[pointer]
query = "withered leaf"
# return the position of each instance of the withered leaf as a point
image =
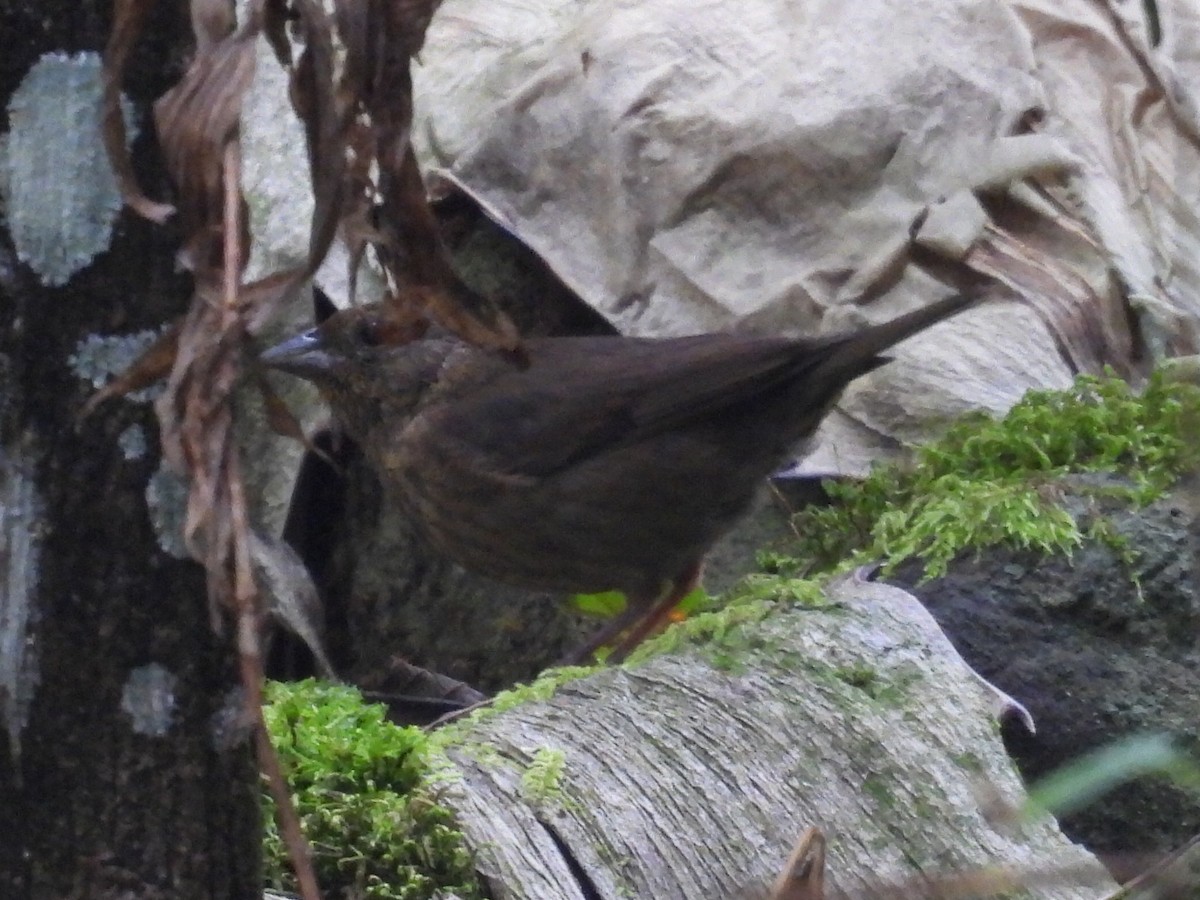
(195, 121)
(324, 121)
(149, 368)
(212, 21)
(276, 16)
(404, 677)
(803, 875)
(292, 596)
(128, 18)
(393, 214)
(280, 418)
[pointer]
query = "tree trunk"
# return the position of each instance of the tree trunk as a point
(123, 769)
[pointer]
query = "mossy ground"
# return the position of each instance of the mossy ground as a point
(366, 789)
(1001, 481)
(366, 803)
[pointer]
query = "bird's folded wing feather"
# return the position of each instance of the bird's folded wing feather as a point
(584, 396)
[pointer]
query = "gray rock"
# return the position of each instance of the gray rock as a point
(1094, 661)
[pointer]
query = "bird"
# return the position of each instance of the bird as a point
(583, 464)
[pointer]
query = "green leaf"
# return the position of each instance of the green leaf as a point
(609, 604)
(1088, 778)
(605, 605)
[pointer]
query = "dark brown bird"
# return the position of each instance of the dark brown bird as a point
(606, 463)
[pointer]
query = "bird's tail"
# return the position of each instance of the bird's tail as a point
(858, 352)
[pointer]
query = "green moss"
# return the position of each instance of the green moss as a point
(856, 684)
(721, 632)
(485, 755)
(541, 782)
(457, 732)
(990, 482)
(878, 790)
(860, 676)
(968, 761)
(361, 788)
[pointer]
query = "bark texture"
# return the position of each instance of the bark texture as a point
(860, 719)
(123, 772)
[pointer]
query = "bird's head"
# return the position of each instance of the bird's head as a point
(347, 345)
(364, 360)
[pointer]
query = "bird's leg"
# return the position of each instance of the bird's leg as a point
(584, 653)
(655, 618)
(640, 617)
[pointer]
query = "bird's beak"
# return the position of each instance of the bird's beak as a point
(305, 355)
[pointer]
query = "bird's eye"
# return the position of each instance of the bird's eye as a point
(368, 332)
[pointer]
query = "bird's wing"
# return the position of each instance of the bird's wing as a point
(583, 396)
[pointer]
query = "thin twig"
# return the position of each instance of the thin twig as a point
(232, 251)
(245, 599)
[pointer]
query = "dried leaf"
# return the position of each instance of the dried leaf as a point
(195, 420)
(403, 677)
(325, 120)
(276, 16)
(393, 213)
(464, 312)
(416, 696)
(195, 121)
(358, 214)
(280, 418)
(292, 596)
(128, 18)
(259, 300)
(149, 368)
(803, 876)
(198, 122)
(1065, 301)
(212, 21)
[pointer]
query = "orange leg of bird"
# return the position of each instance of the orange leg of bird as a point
(585, 653)
(640, 619)
(658, 616)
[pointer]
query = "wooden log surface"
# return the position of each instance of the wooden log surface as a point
(692, 773)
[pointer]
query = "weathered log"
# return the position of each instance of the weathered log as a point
(691, 773)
